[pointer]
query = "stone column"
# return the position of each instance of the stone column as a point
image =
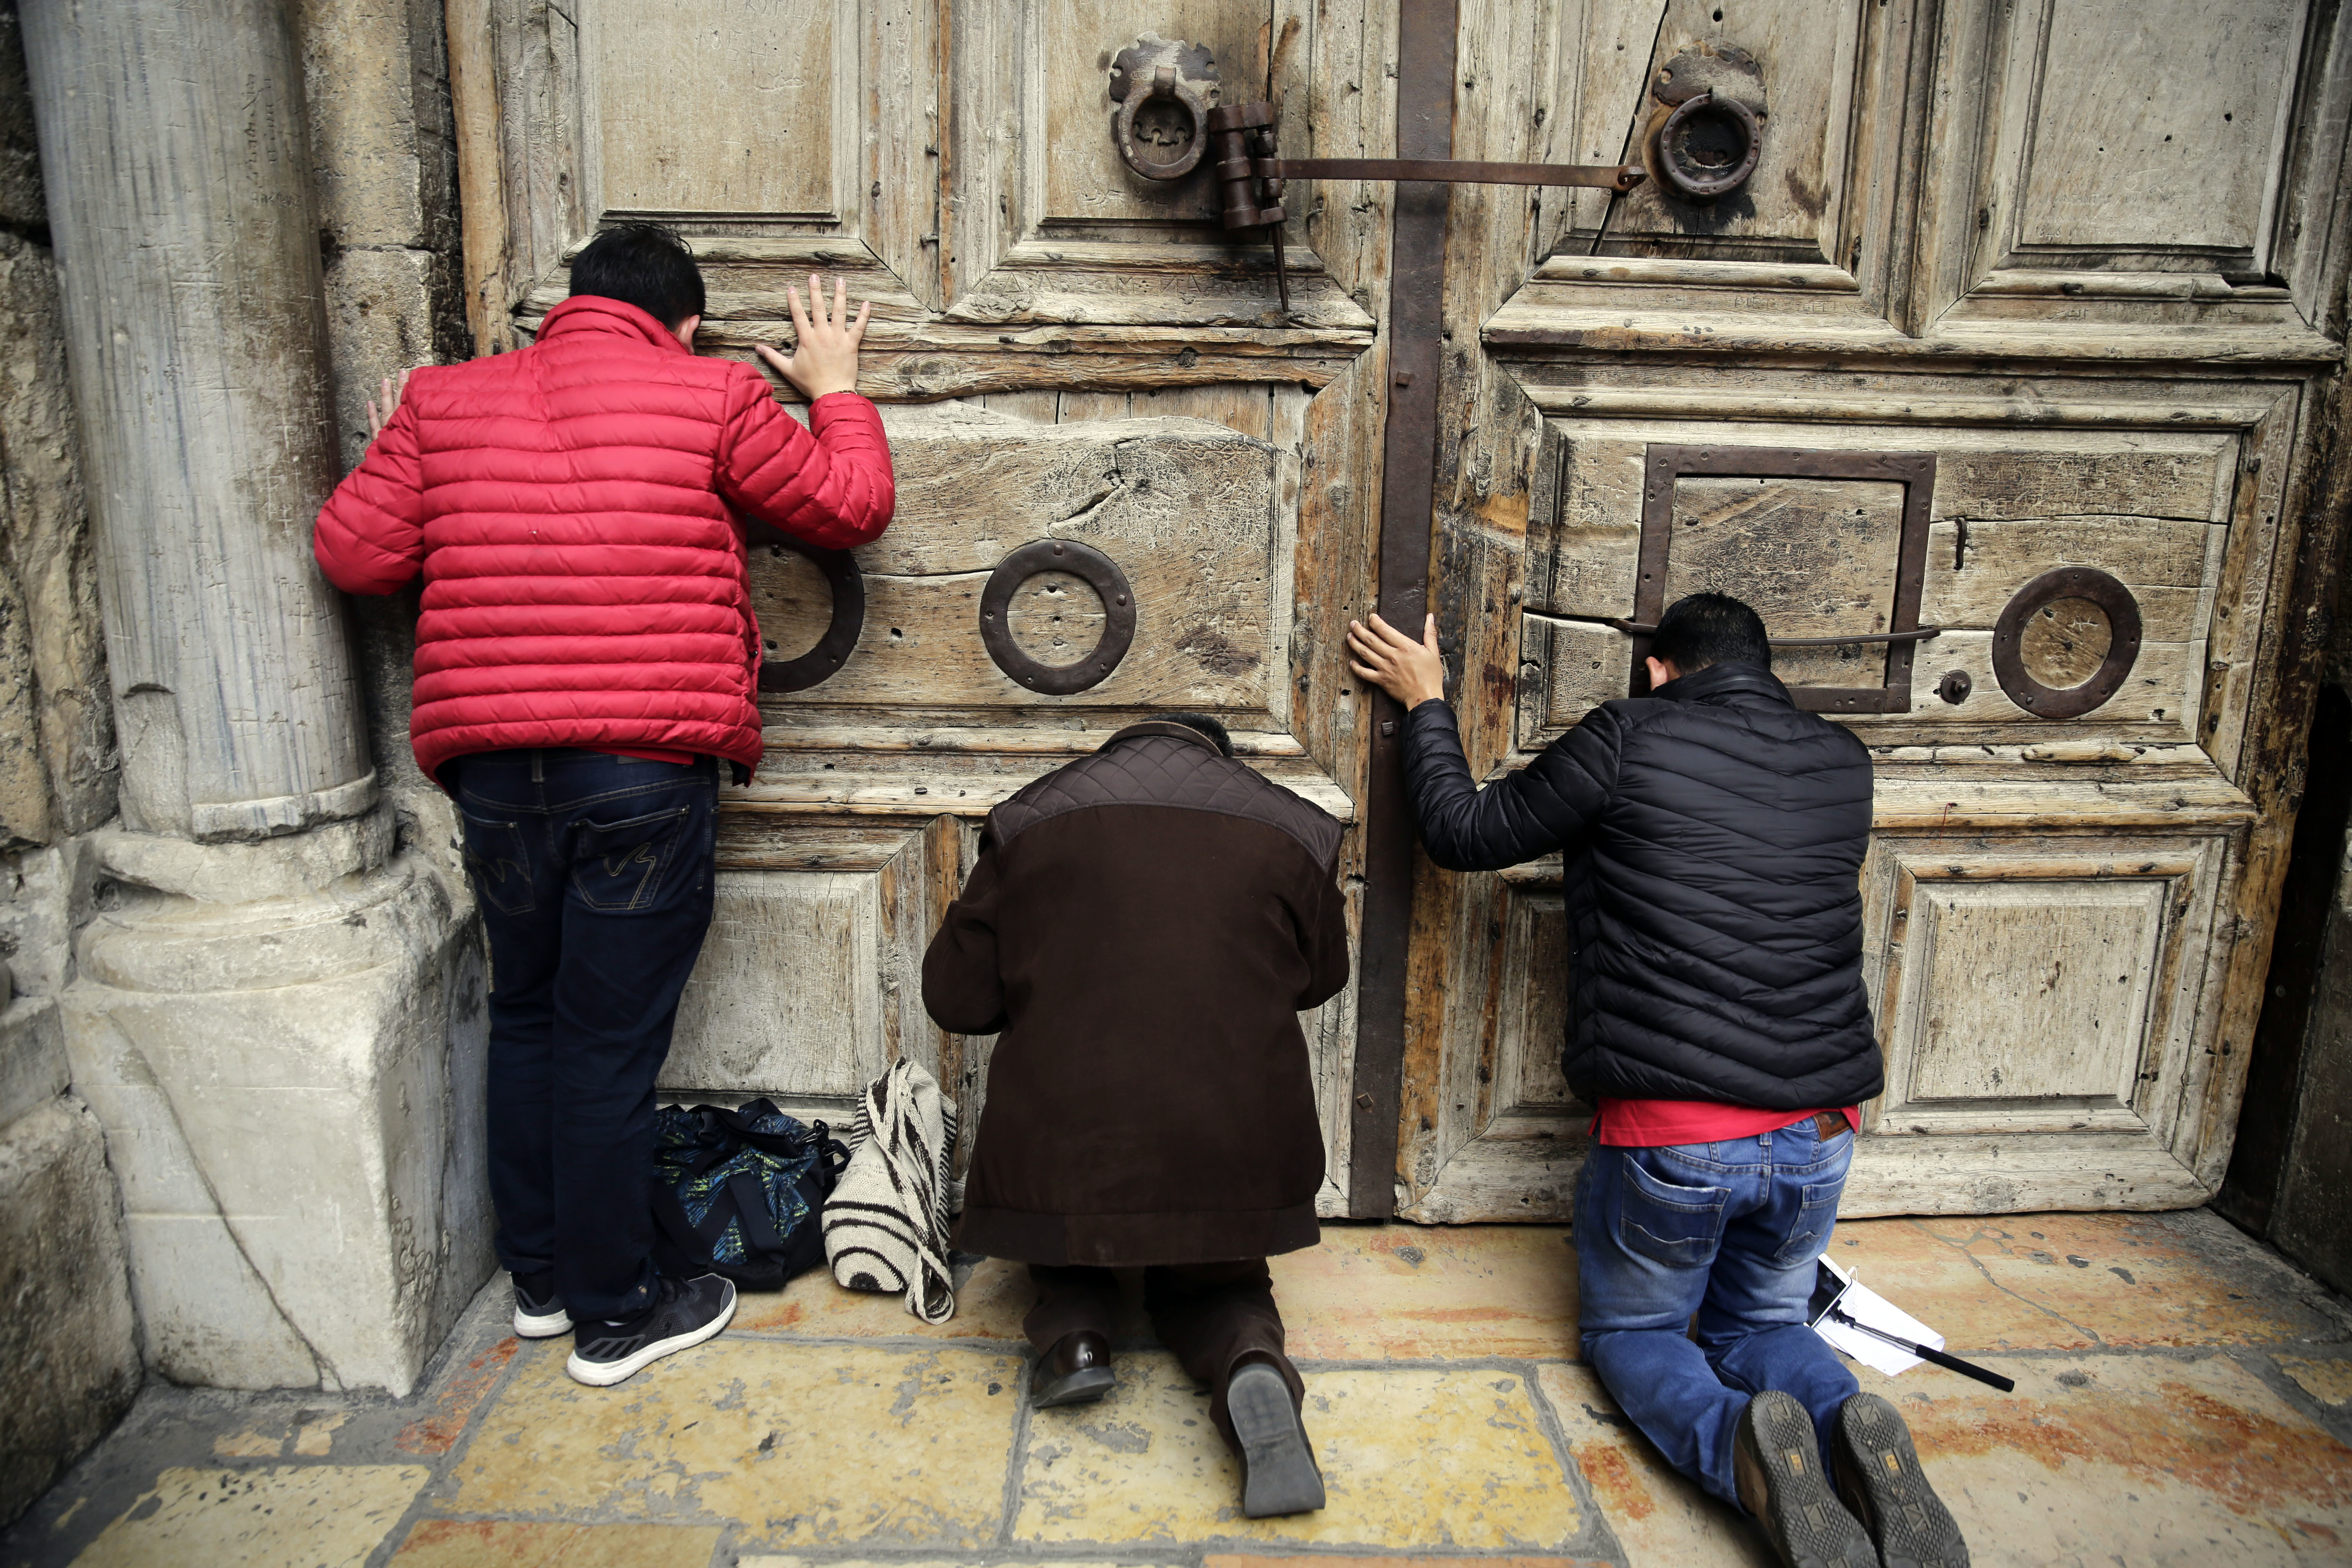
(187, 240)
(274, 1005)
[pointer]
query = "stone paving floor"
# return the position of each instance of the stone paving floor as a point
(2184, 1397)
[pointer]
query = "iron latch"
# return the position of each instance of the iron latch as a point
(1168, 117)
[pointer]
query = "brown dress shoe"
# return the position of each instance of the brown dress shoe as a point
(1076, 1371)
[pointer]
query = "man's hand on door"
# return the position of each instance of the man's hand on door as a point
(1411, 672)
(389, 388)
(824, 355)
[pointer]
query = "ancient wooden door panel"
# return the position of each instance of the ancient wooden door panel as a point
(2107, 357)
(1068, 354)
(809, 982)
(1187, 512)
(2153, 507)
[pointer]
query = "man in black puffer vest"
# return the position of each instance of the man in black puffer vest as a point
(1711, 839)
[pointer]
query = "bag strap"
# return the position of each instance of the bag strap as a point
(751, 1212)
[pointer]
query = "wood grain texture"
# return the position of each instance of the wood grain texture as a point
(2167, 475)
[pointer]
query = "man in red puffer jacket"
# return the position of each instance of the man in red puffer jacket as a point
(586, 656)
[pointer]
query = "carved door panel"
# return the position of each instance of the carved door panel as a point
(2003, 349)
(1128, 483)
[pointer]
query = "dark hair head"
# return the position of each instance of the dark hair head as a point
(644, 265)
(1206, 725)
(1701, 629)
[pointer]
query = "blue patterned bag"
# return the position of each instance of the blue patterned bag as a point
(738, 1192)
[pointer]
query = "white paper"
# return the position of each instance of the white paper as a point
(1867, 1306)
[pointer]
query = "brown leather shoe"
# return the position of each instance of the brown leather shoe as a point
(1076, 1371)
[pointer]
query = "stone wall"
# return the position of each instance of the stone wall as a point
(56, 722)
(68, 1343)
(272, 1047)
(384, 158)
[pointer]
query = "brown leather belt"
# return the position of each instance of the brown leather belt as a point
(1828, 1124)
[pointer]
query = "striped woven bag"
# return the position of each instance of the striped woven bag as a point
(886, 1225)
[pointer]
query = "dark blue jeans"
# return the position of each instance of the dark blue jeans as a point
(1730, 1231)
(594, 874)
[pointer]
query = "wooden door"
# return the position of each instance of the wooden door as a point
(1094, 403)
(2024, 328)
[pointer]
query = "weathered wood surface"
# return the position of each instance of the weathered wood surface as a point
(1902, 332)
(955, 165)
(1187, 511)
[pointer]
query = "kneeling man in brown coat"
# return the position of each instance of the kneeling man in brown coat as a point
(1144, 927)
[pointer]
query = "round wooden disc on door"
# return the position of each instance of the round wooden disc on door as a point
(2066, 641)
(1087, 565)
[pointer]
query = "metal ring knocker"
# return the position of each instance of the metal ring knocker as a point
(833, 649)
(1687, 144)
(1090, 567)
(2123, 642)
(1164, 88)
(1708, 129)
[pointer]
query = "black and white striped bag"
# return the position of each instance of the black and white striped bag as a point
(886, 1225)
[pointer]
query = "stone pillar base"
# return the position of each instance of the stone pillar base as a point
(284, 1042)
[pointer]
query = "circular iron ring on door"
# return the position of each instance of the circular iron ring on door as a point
(1090, 567)
(2123, 642)
(833, 649)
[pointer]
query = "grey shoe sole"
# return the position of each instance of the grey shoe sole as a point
(1881, 1475)
(1279, 1469)
(1804, 1521)
(1083, 1386)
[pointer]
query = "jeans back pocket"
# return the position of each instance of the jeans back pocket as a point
(1666, 1221)
(618, 866)
(498, 858)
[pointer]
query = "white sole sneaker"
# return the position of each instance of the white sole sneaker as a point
(605, 1373)
(542, 1325)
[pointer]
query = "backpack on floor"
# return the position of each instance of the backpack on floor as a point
(738, 1192)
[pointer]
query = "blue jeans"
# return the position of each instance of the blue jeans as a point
(1730, 1231)
(594, 874)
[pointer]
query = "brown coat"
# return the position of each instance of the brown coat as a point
(1144, 927)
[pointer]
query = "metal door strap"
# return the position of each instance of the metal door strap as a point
(1636, 629)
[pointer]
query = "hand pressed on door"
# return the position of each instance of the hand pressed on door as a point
(824, 344)
(1411, 672)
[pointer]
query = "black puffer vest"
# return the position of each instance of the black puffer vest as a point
(1711, 838)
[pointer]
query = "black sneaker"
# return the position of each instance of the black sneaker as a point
(1879, 1476)
(685, 1312)
(1278, 1473)
(539, 1311)
(1776, 1461)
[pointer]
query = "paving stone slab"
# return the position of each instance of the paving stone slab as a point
(292, 1516)
(793, 1445)
(1411, 1457)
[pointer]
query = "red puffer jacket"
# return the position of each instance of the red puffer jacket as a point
(574, 507)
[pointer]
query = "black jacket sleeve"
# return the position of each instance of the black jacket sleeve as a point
(1549, 805)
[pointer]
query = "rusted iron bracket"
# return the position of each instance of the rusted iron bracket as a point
(2114, 601)
(1915, 471)
(1253, 174)
(1090, 567)
(1636, 629)
(841, 631)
